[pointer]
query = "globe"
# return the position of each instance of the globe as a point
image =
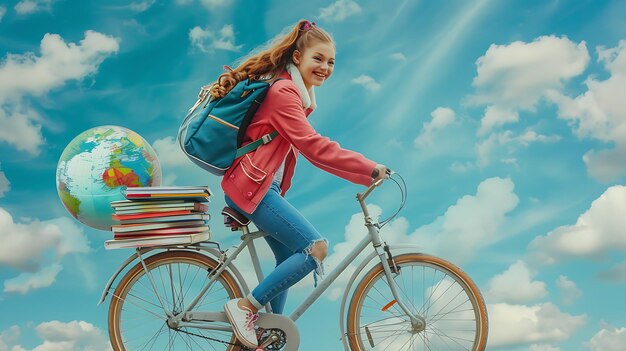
(96, 165)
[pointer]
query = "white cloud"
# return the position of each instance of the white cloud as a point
(543, 347)
(366, 81)
(170, 153)
(3, 11)
(606, 165)
(171, 157)
(141, 6)
(206, 40)
(59, 336)
(79, 334)
(530, 136)
(339, 10)
(9, 337)
(209, 4)
(608, 340)
(515, 285)
(462, 167)
(36, 249)
(616, 273)
(599, 114)
(21, 129)
(26, 7)
(511, 325)
(601, 229)
(441, 117)
(26, 282)
(398, 56)
(28, 74)
(568, 290)
(5, 185)
(214, 4)
(475, 221)
(25, 246)
(503, 144)
(496, 116)
(516, 76)
(58, 63)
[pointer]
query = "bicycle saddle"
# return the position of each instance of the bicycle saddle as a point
(233, 219)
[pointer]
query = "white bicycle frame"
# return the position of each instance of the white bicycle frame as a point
(199, 319)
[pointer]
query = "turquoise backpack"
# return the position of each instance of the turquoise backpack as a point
(213, 130)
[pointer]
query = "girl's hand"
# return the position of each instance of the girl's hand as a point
(380, 172)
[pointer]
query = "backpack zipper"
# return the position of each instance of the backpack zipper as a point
(223, 122)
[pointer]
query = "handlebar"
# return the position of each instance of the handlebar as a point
(362, 197)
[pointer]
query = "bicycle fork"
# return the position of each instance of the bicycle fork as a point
(418, 323)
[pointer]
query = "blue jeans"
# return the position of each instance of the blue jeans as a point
(290, 237)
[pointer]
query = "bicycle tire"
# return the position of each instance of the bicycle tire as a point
(449, 302)
(136, 319)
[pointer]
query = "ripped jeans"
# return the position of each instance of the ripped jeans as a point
(290, 237)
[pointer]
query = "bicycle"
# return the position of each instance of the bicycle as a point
(407, 300)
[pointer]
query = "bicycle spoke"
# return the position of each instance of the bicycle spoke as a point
(425, 339)
(165, 300)
(146, 310)
(394, 307)
(431, 303)
(449, 302)
(185, 339)
(398, 331)
(442, 336)
(193, 280)
(406, 342)
(153, 339)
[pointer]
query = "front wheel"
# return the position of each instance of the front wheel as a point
(138, 321)
(438, 292)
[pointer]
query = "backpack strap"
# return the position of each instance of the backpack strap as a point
(264, 139)
(255, 144)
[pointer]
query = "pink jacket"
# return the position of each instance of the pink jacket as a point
(248, 179)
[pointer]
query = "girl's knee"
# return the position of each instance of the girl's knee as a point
(319, 250)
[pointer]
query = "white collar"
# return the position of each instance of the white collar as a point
(308, 96)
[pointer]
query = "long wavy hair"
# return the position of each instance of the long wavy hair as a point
(271, 61)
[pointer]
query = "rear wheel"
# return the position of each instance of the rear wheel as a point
(443, 295)
(137, 320)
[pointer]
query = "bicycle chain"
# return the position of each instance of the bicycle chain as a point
(209, 338)
(241, 346)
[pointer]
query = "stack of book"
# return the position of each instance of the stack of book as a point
(152, 216)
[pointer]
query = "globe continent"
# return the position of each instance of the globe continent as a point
(96, 165)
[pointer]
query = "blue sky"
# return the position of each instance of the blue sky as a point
(506, 119)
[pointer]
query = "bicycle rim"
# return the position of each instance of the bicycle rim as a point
(443, 295)
(137, 321)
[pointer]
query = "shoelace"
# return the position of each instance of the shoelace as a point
(250, 320)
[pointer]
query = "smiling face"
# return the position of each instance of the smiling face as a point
(316, 63)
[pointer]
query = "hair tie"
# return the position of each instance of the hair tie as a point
(307, 25)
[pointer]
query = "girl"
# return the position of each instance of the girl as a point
(256, 182)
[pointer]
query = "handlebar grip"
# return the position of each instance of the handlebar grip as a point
(375, 172)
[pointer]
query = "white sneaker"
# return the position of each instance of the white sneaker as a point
(242, 320)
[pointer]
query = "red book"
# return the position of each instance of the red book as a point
(159, 232)
(149, 215)
(160, 197)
